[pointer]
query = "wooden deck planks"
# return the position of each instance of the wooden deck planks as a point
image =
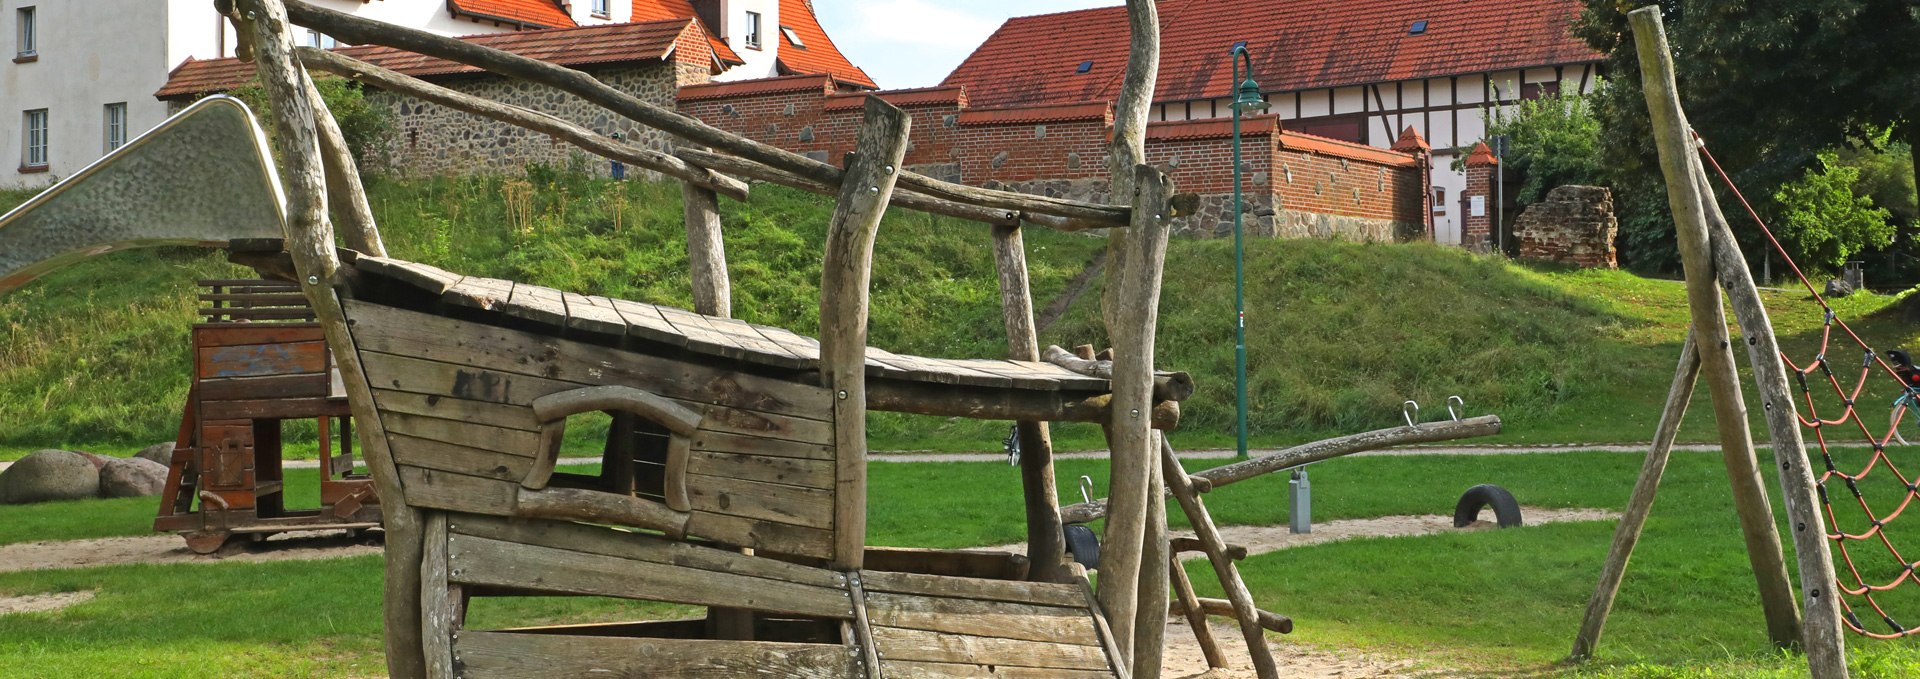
(507, 655)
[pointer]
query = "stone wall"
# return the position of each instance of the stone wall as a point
(1574, 225)
(429, 139)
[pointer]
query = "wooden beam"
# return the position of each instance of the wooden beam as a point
(847, 270)
(598, 144)
(1187, 603)
(1167, 386)
(1046, 541)
(1269, 620)
(720, 162)
(1673, 137)
(1640, 504)
(1308, 453)
(310, 244)
(357, 30)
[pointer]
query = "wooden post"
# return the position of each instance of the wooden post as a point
(1150, 626)
(706, 252)
(436, 614)
(310, 242)
(1677, 163)
(1244, 611)
(1128, 433)
(346, 196)
(1627, 533)
(1046, 543)
(1822, 633)
(847, 270)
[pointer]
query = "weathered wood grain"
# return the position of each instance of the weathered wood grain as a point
(910, 645)
(634, 546)
(810, 507)
(974, 617)
(1037, 593)
(436, 611)
(505, 655)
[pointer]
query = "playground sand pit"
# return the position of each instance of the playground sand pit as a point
(1183, 659)
(165, 549)
(37, 603)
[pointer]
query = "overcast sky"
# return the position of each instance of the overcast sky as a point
(915, 43)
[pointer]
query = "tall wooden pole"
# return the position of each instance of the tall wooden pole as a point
(1627, 533)
(1046, 543)
(1678, 164)
(310, 242)
(1130, 306)
(346, 196)
(847, 272)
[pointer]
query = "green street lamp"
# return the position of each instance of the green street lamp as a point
(1246, 98)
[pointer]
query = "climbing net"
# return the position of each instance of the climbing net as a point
(1869, 573)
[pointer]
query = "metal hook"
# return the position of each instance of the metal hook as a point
(1086, 489)
(1411, 411)
(1451, 402)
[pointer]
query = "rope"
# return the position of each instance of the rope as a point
(1820, 368)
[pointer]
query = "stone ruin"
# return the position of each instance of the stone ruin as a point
(1574, 225)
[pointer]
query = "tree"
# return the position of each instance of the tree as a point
(1769, 84)
(363, 124)
(1825, 220)
(1552, 141)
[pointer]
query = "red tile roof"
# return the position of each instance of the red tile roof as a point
(657, 10)
(534, 13)
(923, 96)
(1215, 128)
(1296, 45)
(1410, 141)
(1058, 113)
(1481, 156)
(587, 45)
(820, 84)
(816, 52)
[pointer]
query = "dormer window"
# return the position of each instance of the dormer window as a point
(752, 37)
(792, 37)
(601, 8)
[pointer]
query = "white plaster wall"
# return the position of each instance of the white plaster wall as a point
(428, 15)
(91, 54)
(1447, 219)
(761, 63)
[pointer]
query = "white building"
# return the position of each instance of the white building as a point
(83, 73)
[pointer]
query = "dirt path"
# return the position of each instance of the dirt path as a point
(36, 603)
(171, 549)
(1262, 539)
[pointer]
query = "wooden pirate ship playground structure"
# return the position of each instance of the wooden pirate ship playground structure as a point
(734, 472)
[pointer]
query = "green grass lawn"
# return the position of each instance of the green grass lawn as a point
(1502, 602)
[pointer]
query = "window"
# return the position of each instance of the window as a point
(1439, 200)
(36, 141)
(116, 126)
(1418, 28)
(753, 30)
(792, 37)
(29, 47)
(321, 40)
(601, 10)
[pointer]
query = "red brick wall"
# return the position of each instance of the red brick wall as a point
(1476, 233)
(1061, 150)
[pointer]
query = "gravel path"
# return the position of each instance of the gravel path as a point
(305, 545)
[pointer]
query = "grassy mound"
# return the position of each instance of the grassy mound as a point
(1339, 333)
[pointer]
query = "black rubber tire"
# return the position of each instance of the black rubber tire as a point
(1506, 510)
(1084, 545)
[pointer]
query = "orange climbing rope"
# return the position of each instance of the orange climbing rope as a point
(1858, 585)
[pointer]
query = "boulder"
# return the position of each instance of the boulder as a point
(99, 461)
(158, 452)
(1837, 288)
(49, 475)
(132, 477)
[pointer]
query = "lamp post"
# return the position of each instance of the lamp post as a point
(1246, 98)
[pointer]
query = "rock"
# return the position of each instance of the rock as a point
(132, 477)
(1837, 288)
(158, 452)
(49, 475)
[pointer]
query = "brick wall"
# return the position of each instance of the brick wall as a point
(1476, 231)
(1574, 225)
(1323, 187)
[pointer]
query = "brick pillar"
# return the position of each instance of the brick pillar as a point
(1411, 142)
(1476, 231)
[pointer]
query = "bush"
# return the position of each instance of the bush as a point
(1824, 221)
(1553, 141)
(363, 124)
